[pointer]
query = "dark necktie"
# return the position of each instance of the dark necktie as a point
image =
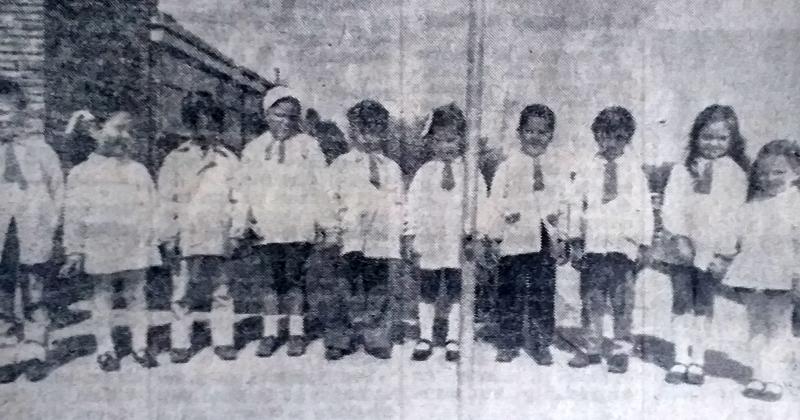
(448, 181)
(702, 183)
(281, 151)
(13, 171)
(610, 181)
(374, 173)
(538, 176)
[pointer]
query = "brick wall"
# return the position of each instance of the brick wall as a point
(97, 58)
(22, 52)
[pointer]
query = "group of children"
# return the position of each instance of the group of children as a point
(282, 201)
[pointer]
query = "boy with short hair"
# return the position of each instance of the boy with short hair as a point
(283, 175)
(368, 191)
(529, 194)
(616, 219)
(198, 186)
(32, 186)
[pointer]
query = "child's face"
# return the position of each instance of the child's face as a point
(115, 138)
(774, 173)
(367, 140)
(10, 118)
(612, 143)
(714, 140)
(446, 142)
(535, 136)
(205, 131)
(282, 119)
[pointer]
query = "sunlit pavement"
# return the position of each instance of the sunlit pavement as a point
(361, 387)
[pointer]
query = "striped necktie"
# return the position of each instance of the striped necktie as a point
(13, 171)
(610, 181)
(374, 172)
(448, 180)
(538, 176)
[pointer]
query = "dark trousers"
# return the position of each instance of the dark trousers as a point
(432, 280)
(30, 281)
(607, 278)
(358, 303)
(692, 291)
(282, 276)
(526, 288)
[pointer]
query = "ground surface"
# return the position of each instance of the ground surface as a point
(360, 387)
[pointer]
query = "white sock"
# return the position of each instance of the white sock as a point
(427, 312)
(271, 325)
(453, 322)
(683, 334)
(296, 325)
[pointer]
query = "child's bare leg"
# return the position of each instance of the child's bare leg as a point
(134, 283)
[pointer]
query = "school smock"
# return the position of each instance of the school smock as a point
(768, 232)
(287, 199)
(110, 215)
(199, 198)
(33, 197)
(619, 225)
(515, 190)
(434, 215)
(370, 217)
(706, 219)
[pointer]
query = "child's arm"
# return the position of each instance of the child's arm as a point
(238, 205)
(167, 214)
(498, 201)
(54, 176)
(325, 207)
(75, 213)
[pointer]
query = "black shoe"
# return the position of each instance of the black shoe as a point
(146, 359)
(226, 353)
(180, 356)
(267, 346)
(542, 356)
(296, 346)
(36, 370)
(452, 355)
(9, 373)
(422, 351)
(108, 361)
(333, 353)
(506, 355)
(582, 360)
(676, 375)
(618, 363)
(379, 352)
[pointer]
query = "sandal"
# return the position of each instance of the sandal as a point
(676, 374)
(754, 389)
(772, 392)
(453, 352)
(423, 350)
(695, 375)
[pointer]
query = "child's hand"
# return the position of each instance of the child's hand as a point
(512, 218)
(71, 267)
(238, 232)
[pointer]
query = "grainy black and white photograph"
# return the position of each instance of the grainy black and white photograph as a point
(399, 209)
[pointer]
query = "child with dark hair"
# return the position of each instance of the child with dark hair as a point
(283, 183)
(529, 194)
(368, 190)
(765, 272)
(110, 234)
(32, 186)
(697, 218)
(615, 220)
(436, 223)
(200, 205)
